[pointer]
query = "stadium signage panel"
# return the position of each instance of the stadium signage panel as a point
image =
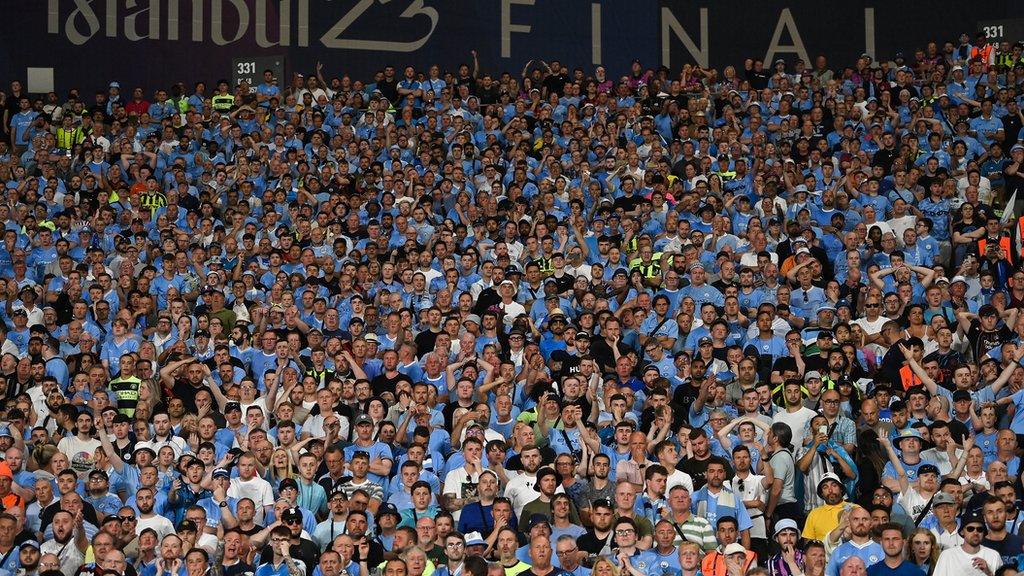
(196, 39)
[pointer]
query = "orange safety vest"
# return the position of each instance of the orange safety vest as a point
(12, 500)
(983, 54)
(909, 379)
(1004, 243)
(713, 563)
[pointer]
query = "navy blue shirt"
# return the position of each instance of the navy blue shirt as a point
(904, 569)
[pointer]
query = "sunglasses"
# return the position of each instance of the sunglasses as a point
(973, 529)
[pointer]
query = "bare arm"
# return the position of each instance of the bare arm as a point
(901, 474)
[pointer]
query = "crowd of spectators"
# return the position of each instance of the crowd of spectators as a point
(753, 321)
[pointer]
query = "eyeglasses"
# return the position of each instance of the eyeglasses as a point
(624, 532)
(456, 545)
(830, 401)
(564, 552)
(872, 305)
(126, 518)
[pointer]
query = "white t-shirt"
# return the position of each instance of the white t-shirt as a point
(913, 502)
(520, 491)
(871, 327)
(678, 478)
(797, 422)
(957, 562)
(160, 524)
(901, 225)
(512, 311)
(80, 453)
(462, 484)
(753, 489)
(258, 490)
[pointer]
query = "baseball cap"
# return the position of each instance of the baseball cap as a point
(960, 395)
(536, 519)
(30, 544)
(928, 469)
(812, 375)
(230, 406)
(221, 473)
(472, 318)
(292, 513)
(941, 498)
(363, 419)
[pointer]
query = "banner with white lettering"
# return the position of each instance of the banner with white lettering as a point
(151, 43)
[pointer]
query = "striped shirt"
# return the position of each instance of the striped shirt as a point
(697, 530)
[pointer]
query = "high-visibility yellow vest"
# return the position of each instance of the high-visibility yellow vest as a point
(222, 102)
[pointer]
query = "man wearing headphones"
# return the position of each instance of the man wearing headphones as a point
(969, 558)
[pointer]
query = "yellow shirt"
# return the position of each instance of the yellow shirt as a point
(823, 520)
(519, 568)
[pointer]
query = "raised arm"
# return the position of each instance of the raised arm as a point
(901, 473)
(927, 380)
(959, 463)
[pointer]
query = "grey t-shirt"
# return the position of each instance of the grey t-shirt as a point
(784, 468)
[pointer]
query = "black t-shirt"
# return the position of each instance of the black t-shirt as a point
(467, 81)
(381, 383)
(556, 83)
(697, 469)
(591, 543)
(627, 203)
(684, 396)
(602, 352)
(758, 80)
(425, 342)
(982, 341)
(184, 390)
(388, 89)
(238, 569)
(490, 95)
(885, 158)
(305, 551)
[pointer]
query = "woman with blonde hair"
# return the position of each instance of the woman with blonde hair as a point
(281, 466)
(604, 567)
(47, 462)
(923, 550)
